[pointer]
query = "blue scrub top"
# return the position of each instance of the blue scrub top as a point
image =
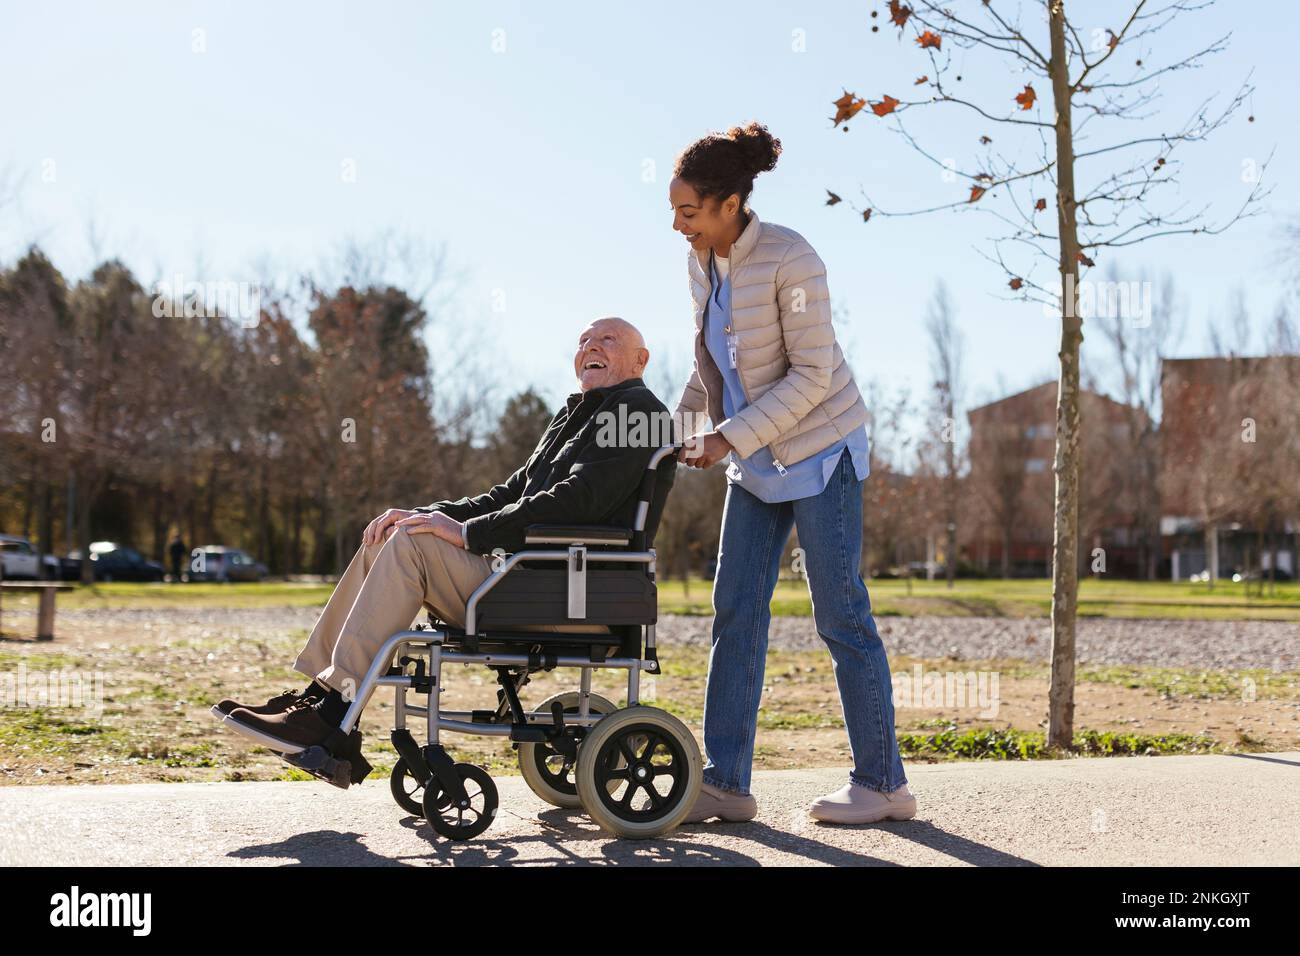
(758, 473)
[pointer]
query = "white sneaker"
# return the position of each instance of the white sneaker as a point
(853, 803)
(727, 806)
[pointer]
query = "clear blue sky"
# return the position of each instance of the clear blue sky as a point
(529, 162)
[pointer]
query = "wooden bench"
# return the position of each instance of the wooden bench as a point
(45, 614)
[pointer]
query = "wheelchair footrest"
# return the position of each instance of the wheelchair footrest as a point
(341, 770)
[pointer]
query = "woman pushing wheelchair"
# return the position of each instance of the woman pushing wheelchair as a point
(788, 417)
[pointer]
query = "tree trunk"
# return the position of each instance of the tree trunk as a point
(951, 568)
(951, 502)
(88, 492)
(45, 523)
(1065, 545)
(296, 557)
(1272, 559)
(686, 560)
(1212, 552)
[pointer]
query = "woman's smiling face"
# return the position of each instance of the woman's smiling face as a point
(705, 222)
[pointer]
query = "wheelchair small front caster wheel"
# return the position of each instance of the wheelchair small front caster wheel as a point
(548, 773)
(461, 822)
(407, 791)
(639, 772)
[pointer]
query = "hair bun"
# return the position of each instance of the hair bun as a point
(759, 147)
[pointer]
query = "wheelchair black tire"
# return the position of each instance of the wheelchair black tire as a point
(401, 782)
(483, 804)
(556, 789)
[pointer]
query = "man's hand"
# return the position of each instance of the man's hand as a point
(378, 530)
(704, 451)
(449, 529)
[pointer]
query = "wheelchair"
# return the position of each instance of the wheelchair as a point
(636, 770)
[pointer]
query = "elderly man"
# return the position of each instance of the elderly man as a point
(435, 556)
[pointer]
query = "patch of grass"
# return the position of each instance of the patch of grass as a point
(1009, 744)
(1031, 597)
(293, 774)
(37, 662)
(1098, 597)
(46, 732)
(1172, 683)
(1249, 742)
(199, 755)
(799, 720)
(198, 595)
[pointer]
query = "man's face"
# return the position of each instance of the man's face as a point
(609, 351)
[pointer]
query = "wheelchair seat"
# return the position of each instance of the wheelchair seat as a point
(597, 577)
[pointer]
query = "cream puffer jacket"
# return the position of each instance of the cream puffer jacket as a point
(800, 393)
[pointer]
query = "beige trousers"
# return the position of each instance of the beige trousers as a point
(381, 592)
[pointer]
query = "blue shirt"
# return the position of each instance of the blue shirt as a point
(758, 473)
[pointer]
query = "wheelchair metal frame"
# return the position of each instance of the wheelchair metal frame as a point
(428, 643)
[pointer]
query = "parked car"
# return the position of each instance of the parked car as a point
(18, 558)
(227, 564)
(113, 562)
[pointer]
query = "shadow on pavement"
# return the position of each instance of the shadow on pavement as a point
(319, 848)
(568, 838)
(950, 844)
(1287, 763)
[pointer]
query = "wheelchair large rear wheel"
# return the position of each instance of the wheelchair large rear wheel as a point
(639, 772)
(548, 773)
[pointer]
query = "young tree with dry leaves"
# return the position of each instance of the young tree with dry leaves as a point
(1125, 192)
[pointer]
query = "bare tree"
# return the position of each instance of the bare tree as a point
(1137, 350)
(1128, 194)
(1231, 335)
(946, 367)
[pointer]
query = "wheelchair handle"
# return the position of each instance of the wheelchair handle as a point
(646, 492)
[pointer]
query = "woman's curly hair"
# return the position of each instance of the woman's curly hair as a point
(720, 164)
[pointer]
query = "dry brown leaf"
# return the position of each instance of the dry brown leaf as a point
(885, 106)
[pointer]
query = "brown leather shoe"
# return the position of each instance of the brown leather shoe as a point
(276, 705)
(294, 729)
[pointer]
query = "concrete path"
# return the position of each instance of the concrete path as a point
(1212, 810)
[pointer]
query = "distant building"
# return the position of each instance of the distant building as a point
(1012, 485)
(1230, 465)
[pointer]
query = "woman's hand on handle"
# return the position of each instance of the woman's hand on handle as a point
(705, 450)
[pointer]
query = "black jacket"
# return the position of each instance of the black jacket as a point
(571, 478)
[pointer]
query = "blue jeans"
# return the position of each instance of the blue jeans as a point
(754, 534)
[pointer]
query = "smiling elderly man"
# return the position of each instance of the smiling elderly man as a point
(435, 556)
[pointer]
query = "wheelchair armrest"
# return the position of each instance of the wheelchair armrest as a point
(576, 534)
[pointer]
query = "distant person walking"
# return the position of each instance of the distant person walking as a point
(787, 414)
(176, 550)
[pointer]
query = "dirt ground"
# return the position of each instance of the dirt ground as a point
(160, 676)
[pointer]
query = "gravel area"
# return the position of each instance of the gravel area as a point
(1175, 643)
(1217, 644)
